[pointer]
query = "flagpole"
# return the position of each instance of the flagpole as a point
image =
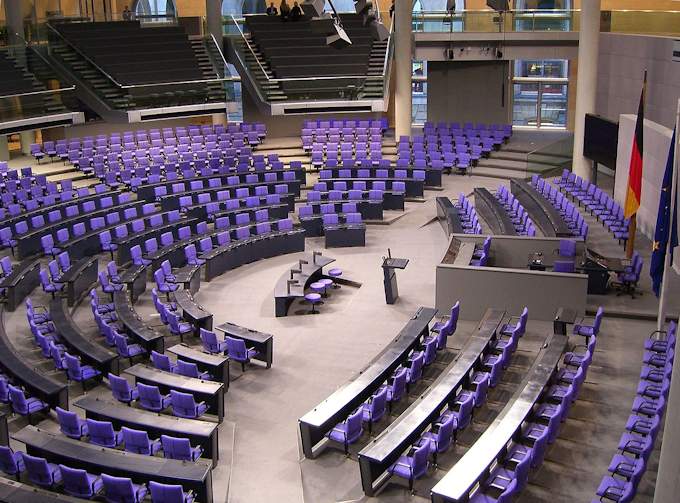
(661, 318)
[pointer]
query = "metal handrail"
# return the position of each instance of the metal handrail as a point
(250, 48)
(49, 25)
(251, 79)
(33, 93)
(27, 46)
(231, 77)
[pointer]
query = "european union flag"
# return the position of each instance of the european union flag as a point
(665, 227)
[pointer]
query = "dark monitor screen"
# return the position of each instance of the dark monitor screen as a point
(600, 140)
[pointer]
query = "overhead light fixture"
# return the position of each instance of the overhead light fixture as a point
(363, 6)
(339, 39)
(322, 25)
(313, 8)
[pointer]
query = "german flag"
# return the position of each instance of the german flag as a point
(635, 170)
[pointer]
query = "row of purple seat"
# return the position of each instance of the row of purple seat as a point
(60, 148)
(374, 409)
(326, 124)
(518, 215)
(597, 201)
(635, 446)
(468, 215)
(457, 416)
(573, 218)
(81, 484)
(510, 474)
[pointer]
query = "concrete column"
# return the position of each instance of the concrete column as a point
(4, 148)
(14, 15)
(27, 137)
(403, 50)
(586, 80)
(213, 16)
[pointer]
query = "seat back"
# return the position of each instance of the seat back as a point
(120, 388)
(75, 481)
(38, 470)
(236, 348)
(166, 493)
(68, 422)
(118, 488)
(176, 448)
(149, 396)
(7, 462)
(161, 361)
(136, 441)
(101, 432)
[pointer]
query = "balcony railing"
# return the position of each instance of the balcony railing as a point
(653, 22)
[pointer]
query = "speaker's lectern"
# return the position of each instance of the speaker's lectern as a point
(390, 276)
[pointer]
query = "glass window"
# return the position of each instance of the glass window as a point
(155, 8)
(419, 92)
(549, 68)
(540, 92)
(340, 6)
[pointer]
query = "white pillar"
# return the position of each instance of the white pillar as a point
(27, 137)
(4, 148)
(403, 50)
(213, 18)
(586, 80)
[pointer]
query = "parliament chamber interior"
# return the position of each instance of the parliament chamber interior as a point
(339, 250)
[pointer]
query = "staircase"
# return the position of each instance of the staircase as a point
(207, 65)
(91, 76)
(374, 89)
(272, 90)
(36, 72)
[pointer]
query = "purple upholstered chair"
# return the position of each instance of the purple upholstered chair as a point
(374, 409)
(123, 489)
(102, 433)
(150, 398)
(137, 441)
(126, 350)
(41, 472)
(184, 405)
(70, 424)
(348, 431)
(238, 351)
(78, 372)
(121, 389)
(165, 493)
(210, 342)
(11, 463)
(413, 465)
(189, 369)
(439, 437)
(581, 328)
(79, 483)
(180, 448)
(22, 405)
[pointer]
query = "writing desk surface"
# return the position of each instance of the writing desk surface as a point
(395, 263)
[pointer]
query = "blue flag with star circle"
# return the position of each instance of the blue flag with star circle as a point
(665, 226)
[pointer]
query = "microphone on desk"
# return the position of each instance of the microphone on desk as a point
(302, 261)
(314, 255)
